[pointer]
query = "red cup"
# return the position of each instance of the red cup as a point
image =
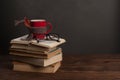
(44, 27)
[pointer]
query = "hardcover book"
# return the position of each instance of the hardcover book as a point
(29, 47)
(36, 54)
(38, 61)
(42, 43)
(19, 66)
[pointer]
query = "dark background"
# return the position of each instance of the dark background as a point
(89, 26)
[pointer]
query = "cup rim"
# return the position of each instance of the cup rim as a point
(37, 20)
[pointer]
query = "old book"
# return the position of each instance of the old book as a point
(18, 66)
(42, 43)
(29, 47)
(32, 51)
(36, 55)
(38, 61)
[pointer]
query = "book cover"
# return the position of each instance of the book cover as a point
(36, 55)
(31, 48)
(32, 51)
(19, 66)
(42, 43)
(38, 61)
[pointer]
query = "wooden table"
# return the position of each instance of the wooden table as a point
(74, 67)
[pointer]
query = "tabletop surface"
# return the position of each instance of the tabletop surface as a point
(74, 67)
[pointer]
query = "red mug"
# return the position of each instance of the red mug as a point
(41, 26)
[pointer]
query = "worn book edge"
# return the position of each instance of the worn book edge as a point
(18, 66)
(38, 61)
(43, 43)
(34, 55)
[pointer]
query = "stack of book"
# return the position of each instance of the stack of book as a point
(32, 56)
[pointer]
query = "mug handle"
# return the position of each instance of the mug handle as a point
(50, 27)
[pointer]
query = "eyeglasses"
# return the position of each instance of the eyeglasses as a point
(53, 36)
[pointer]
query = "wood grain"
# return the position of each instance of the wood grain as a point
(74, 67)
